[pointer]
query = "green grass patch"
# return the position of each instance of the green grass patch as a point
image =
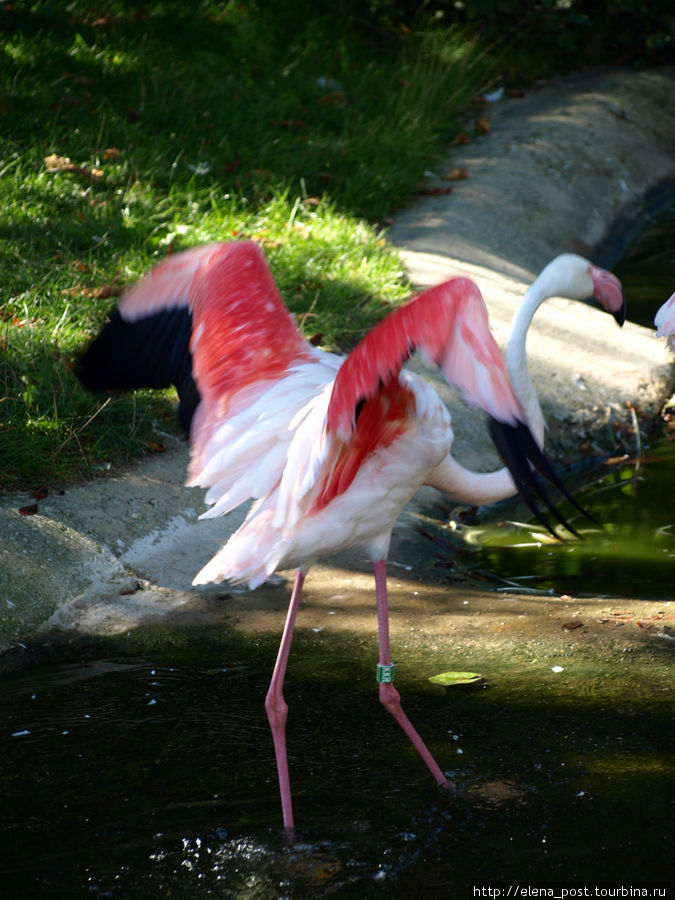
(132, 132)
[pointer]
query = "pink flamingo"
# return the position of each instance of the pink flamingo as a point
(330, 449)
(569, 276)
(665, 322)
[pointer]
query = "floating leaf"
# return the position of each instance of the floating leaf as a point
(447, 679)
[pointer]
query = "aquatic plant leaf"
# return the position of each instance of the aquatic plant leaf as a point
(447, 679)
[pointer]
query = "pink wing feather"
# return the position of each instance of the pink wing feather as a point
(449, 324)
(242, 333)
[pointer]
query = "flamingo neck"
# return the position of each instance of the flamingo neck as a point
(483, 488)
(466, 486)
(516, 354)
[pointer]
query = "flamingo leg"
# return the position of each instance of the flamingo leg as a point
(277, 708)
(389, 696)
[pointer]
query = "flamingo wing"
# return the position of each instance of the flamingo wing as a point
(449, 325)
(210, 321)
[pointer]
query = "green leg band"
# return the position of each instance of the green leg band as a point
(385, 674)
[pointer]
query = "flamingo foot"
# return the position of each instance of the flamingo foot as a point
(391, 700)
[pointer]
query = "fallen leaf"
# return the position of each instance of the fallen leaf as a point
(28, 510)
(434, 191)
(156, 446)
(111, 153)
(461, 138)
(447, 679)
(515, 92)
(456, 175)
(482, 126)
(570, 626)
(56, 163)
(40, 493)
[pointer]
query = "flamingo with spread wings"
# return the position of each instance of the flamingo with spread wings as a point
(330, 449)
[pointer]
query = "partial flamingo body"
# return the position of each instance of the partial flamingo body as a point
(569, 276)
(665, 322)
(329, 449)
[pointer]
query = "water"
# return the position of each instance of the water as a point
(137, 777)
(129, 774)
(630, 556)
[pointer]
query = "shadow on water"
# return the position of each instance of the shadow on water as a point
(155, 778)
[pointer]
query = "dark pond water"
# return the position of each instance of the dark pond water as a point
(137, 777)
(152, 776)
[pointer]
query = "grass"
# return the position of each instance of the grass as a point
(147, 129)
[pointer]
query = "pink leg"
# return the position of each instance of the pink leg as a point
(389, 696)
(276, 707)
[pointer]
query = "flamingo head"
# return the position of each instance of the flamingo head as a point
(665, 322)
(607, 292)
(575, 278)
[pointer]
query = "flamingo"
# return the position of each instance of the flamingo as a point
(570, 276)
(329, 448)
(665, 322)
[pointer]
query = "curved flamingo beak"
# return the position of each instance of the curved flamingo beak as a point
(607, 291)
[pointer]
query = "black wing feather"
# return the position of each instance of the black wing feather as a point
(152, 352)
(522, 455)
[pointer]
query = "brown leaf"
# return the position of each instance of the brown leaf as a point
(111, 153)
(434, 191)
(482, 126)
(157, 447)
(456, 175)
(461, 138)
(28, 510)
(40, 493)
(56, 163)
(570, 626)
